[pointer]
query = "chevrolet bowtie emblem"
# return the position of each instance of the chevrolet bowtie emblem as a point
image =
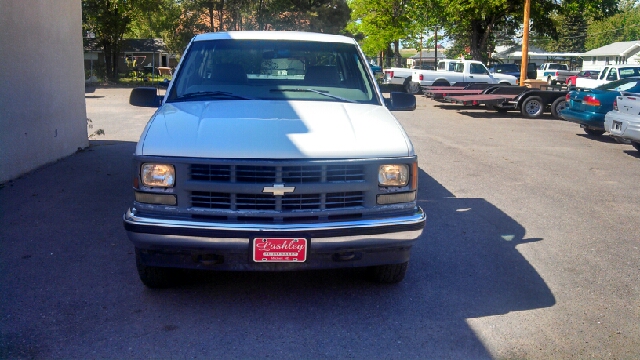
(278, 189)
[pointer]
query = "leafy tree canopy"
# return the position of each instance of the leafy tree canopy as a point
(624, 26)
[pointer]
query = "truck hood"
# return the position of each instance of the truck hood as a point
(273, 130)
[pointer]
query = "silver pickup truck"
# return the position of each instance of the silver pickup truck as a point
(273, 151)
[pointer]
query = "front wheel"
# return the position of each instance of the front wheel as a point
(593, 132)
(156, 277)
(558, 105)
(389, 274)
(532, 107)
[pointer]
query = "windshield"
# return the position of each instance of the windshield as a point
(629, 84)
(557, 67)
(273, 70)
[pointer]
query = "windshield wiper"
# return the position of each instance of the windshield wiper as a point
(324, 93)
(209, 94)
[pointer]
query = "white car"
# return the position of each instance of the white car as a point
(624, 120)
(273, 151)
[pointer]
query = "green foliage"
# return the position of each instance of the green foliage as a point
(109, 20)
(624, 26)
(380, 23)
(177, 21)
(571, 21)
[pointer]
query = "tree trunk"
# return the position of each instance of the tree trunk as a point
(387, 60)
(396, 44)
(211, 27)
(481, 30)
(220, 15)
(106, 50)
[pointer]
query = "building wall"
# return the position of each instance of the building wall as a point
(42, 108)
(600, 62)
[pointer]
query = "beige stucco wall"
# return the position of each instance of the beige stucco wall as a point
(42, 108)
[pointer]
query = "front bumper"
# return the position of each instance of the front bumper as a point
(224, 246)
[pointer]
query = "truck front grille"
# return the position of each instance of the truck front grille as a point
(256, 174)
(289, 203)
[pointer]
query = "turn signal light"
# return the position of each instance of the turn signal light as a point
(615, 104)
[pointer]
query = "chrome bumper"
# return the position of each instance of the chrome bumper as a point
(149, 232)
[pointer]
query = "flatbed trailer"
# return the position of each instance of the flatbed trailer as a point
(491, 96)
(470, 89)
(533, 103)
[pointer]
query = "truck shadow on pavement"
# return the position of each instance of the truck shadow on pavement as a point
(68, 272)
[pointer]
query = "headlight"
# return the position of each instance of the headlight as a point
(158, 175)
(393, 175)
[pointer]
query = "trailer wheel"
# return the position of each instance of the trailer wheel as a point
(532, 107)
(558, 105)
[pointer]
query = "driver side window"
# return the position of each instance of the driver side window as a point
(612, 76)
(477, 69)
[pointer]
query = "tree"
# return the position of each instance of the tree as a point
(624, 26)
(109, 20)
(571, 21)
(381, 23)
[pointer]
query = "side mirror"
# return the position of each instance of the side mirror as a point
(145, 97)
(401, 102)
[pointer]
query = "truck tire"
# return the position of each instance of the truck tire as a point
(532, 107)
(558, 105)
(156, 277)
(389, 274)
(410, 87)
(593, 132)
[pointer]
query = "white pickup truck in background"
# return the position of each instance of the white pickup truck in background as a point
(609, 74)
(402, 76)
(554, 73)
(463, 71)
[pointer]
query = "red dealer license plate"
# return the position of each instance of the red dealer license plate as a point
(279, 250)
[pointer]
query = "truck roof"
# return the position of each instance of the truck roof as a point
(275, 35)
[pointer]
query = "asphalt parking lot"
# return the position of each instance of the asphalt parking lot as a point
(530, 251)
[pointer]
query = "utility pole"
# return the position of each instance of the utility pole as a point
(420, 49)
(435, 56)
(525, 43)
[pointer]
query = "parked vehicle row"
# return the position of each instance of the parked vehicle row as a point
(449, 72)
(593, 74)
(554, 73)
(608, 74)
(464, 71)
(588, 107)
